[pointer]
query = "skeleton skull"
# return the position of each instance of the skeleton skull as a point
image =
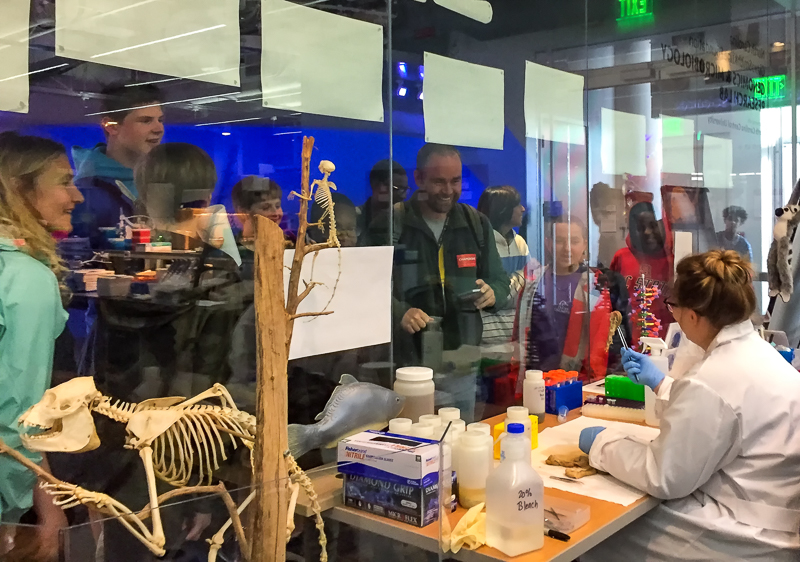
(65, 413)
(326, 167)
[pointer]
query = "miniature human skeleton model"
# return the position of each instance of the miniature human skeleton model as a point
(324, 198)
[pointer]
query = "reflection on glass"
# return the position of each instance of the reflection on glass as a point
(446, 266)
(730, 238)
(646, 262)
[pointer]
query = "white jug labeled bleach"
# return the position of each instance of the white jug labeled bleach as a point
(515, 499)
(658, 355)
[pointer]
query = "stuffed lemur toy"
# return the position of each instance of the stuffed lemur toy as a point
(779, 259)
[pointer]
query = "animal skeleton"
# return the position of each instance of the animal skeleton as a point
(172, 435)
(324, 198)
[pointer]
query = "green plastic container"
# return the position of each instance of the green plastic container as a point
(623, 387)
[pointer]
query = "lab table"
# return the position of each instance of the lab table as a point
(606, 519)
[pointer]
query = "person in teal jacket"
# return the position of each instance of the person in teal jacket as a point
(37, 196)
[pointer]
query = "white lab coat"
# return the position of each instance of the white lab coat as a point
(727, 461)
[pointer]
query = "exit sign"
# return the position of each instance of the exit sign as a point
(632, 10)
(770, 87)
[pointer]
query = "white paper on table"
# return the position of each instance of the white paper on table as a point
(677, 145)
(622, 143)
(717, 162)
(361, 305)
(553, 104)
(196, 39)
(463, 103)
(316, 62)
(600, 486)
(14, 76)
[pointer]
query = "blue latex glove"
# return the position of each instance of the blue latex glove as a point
(587, 438)
(641, 369)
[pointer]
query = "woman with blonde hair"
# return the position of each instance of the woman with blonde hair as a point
(727, 460)
(37, 196)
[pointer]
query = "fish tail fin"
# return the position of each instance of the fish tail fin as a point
(300, 439)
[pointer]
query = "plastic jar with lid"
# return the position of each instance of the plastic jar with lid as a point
(449, 414)
(519, 414)
(400, 426)
(473, 457)
(416, 384)
(421, 430)
(533, 394)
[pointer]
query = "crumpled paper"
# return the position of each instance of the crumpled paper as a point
(470, 531)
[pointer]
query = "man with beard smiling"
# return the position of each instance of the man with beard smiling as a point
(133, 124)
(447, 270)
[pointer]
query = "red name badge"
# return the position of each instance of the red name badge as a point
(466, 260)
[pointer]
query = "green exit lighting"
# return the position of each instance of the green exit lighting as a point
(635, 9)
(770, 87)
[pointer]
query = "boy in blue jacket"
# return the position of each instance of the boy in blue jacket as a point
(133, 124)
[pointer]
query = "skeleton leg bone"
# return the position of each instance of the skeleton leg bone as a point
(219, 538)
(295, 489)
(69, 495)
(158, 530)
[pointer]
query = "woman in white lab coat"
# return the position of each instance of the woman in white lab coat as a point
(727, 460)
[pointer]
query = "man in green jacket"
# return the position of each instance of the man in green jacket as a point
(446, 270)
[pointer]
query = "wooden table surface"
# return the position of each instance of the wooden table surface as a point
(606, 519)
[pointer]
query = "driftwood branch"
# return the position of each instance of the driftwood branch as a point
(230, 505)
(317, 247)
(301, 249)
(270, 505)
(307, 314)
(27, 463)
(306, 291)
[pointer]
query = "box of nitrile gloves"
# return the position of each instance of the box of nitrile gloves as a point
(391, 475)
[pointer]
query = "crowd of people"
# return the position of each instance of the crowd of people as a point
(464, 271)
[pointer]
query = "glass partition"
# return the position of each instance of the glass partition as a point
(502, 187)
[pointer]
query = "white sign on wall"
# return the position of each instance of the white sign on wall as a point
(196, 39)
(14, 76)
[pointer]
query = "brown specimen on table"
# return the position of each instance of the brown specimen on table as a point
(615, 321)
(275, 324)
(576, 464)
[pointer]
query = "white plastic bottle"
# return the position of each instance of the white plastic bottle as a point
(518, 414)
(533, 394)
(416, 384)
(658, 350)
(472, 455)
(515, 499)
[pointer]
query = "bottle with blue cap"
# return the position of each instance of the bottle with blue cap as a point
(515, 498)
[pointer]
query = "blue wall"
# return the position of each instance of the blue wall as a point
(275, 152)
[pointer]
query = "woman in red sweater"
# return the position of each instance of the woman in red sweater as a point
(647, 259)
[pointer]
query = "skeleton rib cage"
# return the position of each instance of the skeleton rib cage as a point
(199, 437)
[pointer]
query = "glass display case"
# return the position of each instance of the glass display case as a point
(494, 187)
